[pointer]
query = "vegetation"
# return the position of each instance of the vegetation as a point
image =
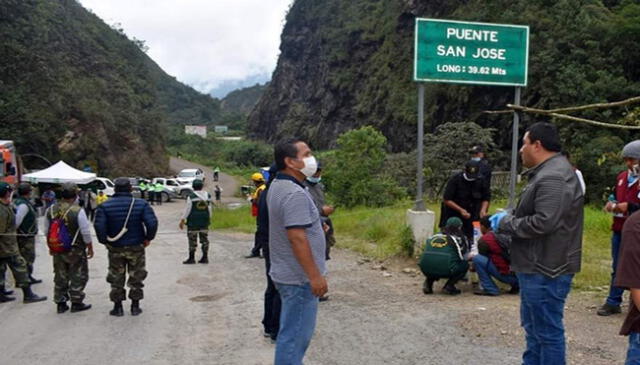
(347, 64)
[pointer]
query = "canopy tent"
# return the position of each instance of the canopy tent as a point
(59, 173)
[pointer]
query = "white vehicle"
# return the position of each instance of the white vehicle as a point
(106, 185)
(172, 188)
(188, 175)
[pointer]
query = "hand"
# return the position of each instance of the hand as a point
(465, 214)
(146, 243)
(609, 206)
(483, 213)
(327, 210)
(181, 225)
(89, 251)
(319, 286)
(325, 227)
(622, 208)
(495, 220)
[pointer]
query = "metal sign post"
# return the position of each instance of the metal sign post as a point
(420, 207)
(514, 151)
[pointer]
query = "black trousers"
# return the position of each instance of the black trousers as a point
(258, 244)
(272, 303)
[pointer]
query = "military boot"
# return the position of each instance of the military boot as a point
(135, 308)
(31, 297)
(62, 307)
(204, 259)
(5, 298)
(191, 259)
(117, 309)
(79, 307)
(5, 291)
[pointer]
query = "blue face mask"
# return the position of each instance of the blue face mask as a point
(476, 158)
(314, 180)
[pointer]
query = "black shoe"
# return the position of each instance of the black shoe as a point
(79, 307)
(191, 259)
(514, 290)
(608, 309)
(31, 297)
(204, 259)
(323, 298)
(33, 280)
(427, 287)
(5, 291)
(5, 298)
(135, 308)
(62, 307)
(252, 256)
(484, 292)
(117, 310)
(451, 290)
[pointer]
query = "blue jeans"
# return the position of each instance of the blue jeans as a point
(615, 293)
(541, 311)
(486, 269)
(633, 354)
(297, 323)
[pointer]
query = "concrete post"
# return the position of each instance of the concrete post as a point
(422, 224)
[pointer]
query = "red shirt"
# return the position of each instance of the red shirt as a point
(495, 253)
(624, 194)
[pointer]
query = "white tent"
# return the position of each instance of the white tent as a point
(59, 173)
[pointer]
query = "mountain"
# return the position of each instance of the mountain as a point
(345, 64)
(242, 101)
(73, 88)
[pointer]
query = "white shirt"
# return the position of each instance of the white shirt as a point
(83, 223)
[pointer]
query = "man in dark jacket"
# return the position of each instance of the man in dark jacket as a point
(546, 242)
(125, 225)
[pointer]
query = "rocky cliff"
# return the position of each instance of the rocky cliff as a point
(345, 64)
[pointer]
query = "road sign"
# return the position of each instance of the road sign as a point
(471, 53)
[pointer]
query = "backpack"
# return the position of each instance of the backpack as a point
(504, 241)
(59, 239)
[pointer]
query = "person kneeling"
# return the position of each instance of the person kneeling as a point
(443, 257)
(493, 261)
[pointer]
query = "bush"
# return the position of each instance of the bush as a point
(355, 174)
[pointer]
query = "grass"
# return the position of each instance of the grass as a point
(380, 233)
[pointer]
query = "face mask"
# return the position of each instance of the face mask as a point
(476, 158)
(310, 166)
(314, 180)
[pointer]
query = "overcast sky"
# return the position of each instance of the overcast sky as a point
(208, 44)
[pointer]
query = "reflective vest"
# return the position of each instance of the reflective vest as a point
(143, 186)
(158, 188)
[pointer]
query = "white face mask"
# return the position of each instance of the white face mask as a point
(310, 166)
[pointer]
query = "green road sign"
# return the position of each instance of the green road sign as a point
(471, 53)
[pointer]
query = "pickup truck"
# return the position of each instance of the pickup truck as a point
(172, 189)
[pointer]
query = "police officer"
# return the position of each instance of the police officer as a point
(158, 189)
(125, 225)
(143, 189)
(9, 252)
(27, 226)
(197, 217)
(71, 269)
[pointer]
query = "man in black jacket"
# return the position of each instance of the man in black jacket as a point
(546, 245)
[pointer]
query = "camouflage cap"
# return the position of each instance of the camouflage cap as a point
(197, 184)
(69, 190)
(4, 188)
(453, 222)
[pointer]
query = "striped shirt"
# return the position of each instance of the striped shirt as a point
(291, 206)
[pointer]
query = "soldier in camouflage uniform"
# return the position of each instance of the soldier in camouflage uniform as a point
(27, 223)
(71, 269)
(9, 252)
(197, 217)
(125, 225)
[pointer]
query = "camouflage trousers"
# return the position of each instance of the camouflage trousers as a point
(18, 268)
(123, 260)
(27, 246)
(193, 234)
(70, 275)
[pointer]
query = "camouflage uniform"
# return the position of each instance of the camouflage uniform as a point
(70, 269)
(27, 233)
(9, 252)
(122, 260)
(198, 221)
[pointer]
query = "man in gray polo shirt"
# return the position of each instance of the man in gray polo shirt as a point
(297, 249)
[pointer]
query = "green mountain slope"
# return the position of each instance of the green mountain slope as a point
(346, 64)
(73, 88)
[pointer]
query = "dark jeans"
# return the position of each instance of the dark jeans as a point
(541, 313)
(257, 245)
(615, 293)
(272, 303)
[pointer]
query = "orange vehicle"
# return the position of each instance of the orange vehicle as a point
(10, 167)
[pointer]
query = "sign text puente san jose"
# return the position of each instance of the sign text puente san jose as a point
(470, 52)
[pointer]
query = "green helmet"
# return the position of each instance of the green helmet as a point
(197, 184)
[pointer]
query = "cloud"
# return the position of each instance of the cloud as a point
(203, 43)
